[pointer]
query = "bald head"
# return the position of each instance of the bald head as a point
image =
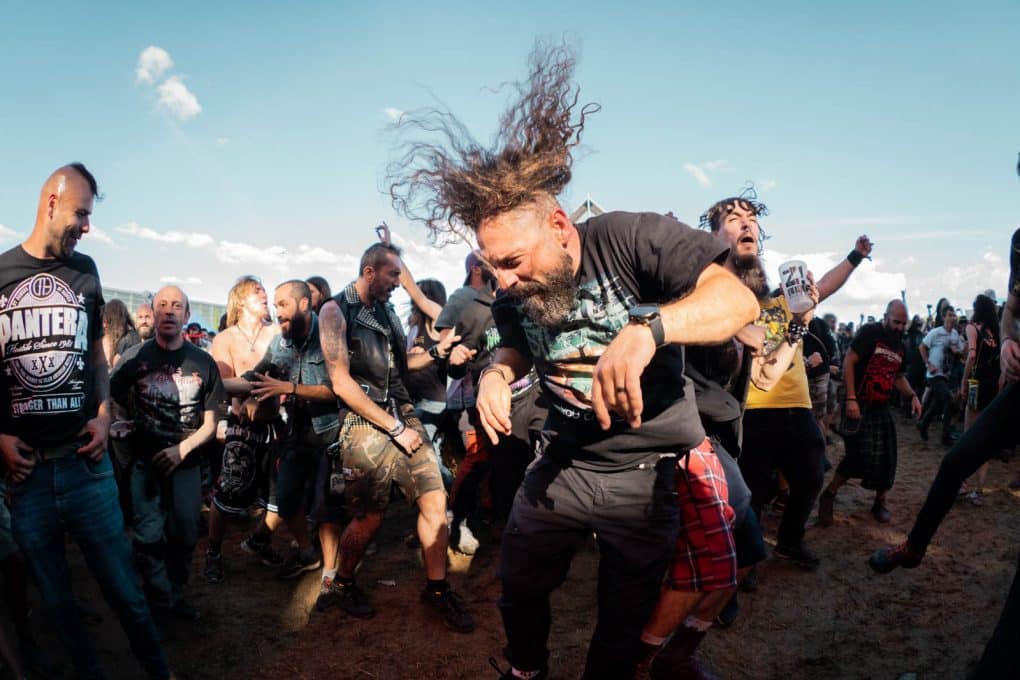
(63, 214)
(171, 311)
(143, 321)
(895, 318)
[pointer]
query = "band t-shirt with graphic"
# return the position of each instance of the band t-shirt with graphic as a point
(791, 390)
(626, 259)
(166, 393)
(50, 324)
(880, 354)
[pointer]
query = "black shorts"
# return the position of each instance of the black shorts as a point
(244, 475)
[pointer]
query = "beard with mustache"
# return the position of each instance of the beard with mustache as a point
(548, 302)
(752, 274)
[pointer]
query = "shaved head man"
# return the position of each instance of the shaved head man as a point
(54, 421)
(873, 367)
(143, 321)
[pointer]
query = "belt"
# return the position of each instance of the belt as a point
(59, 451)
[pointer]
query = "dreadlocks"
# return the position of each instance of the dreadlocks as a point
(453, 182)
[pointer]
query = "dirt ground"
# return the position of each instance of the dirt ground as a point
(841, 621)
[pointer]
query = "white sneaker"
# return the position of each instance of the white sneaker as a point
(463, 540)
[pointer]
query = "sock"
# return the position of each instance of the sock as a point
(438, 587)
(653, 640)
(697, 624)
(329, 574)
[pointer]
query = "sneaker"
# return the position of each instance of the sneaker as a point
(885, 560)
(452, 608)
(797, 554)
(329, 595)
(262, 550)
(508, 674)
(213, 571)
(351, 599)
(462, 539)
(825, 507)
(880, 512)
(298, 562)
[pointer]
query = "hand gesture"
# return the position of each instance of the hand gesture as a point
(98, 430)
(616, 385)
(383, 232)
(493, 404)
(265, 387)
(16, 455)
(409, 441)
(864, 245)
(814, 360)
(167, 460)
(445, 344)
(461, 355)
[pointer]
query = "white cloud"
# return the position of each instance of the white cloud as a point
(701, 172)
(392, 113)
(153, 62)
(698, 173)
(7, 234)
(222, 141)
(175, 97)
(97, 234)
(190, 280)
(190, 239)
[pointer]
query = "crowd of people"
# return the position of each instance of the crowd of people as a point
(628, 377)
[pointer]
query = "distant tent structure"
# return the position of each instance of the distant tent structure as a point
(588, 208)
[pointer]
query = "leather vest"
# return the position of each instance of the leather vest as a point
(374, 348)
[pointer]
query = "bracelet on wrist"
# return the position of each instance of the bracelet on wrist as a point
(854, 258)
(397, 430)
(492, 369)
(795, 332)
(436, 355)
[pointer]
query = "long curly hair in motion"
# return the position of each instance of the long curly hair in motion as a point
(450, 182)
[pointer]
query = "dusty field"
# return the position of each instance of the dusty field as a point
(841, 621)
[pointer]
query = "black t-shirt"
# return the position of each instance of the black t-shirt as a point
(626, 259)
(166, 392)
(1014, 264)
(879, 361)
(428, 382)
(469, 312)
(819, 339)
(50, 327)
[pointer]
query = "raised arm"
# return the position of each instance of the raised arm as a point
(838, 275)
(716, 310)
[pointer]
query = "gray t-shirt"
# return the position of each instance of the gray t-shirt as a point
(938, 341)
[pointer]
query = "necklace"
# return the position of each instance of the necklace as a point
(251, 340)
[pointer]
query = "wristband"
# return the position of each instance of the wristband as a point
(434, 353)
(851, 399)
(397, 430)
(795, 332)
(490, 369)
(854, 258)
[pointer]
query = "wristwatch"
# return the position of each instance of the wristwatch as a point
(651, 316)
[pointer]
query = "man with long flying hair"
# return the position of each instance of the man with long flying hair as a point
(601, 310)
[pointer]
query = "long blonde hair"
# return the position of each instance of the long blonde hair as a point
(235, 298)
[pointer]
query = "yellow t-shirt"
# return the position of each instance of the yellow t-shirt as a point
(792, 389)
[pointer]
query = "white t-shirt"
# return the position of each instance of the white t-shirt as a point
(938, 341)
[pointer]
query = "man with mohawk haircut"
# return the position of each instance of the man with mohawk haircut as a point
(602, 310)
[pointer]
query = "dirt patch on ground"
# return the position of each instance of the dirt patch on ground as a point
(841, 621)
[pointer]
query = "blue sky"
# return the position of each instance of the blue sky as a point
(262, 147)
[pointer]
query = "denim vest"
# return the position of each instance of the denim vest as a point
(303, 365)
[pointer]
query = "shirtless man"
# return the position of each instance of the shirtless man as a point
(237, 350)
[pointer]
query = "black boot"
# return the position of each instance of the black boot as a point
(676, 661)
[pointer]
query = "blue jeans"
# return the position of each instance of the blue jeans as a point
(73, 495)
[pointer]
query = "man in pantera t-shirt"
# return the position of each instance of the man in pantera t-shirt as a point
(54, 421)
(601, 310)
(169, 388)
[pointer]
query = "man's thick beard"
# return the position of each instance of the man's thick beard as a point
(752, 274)
(548, 303)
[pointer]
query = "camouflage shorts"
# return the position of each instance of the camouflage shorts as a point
(372, 463)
